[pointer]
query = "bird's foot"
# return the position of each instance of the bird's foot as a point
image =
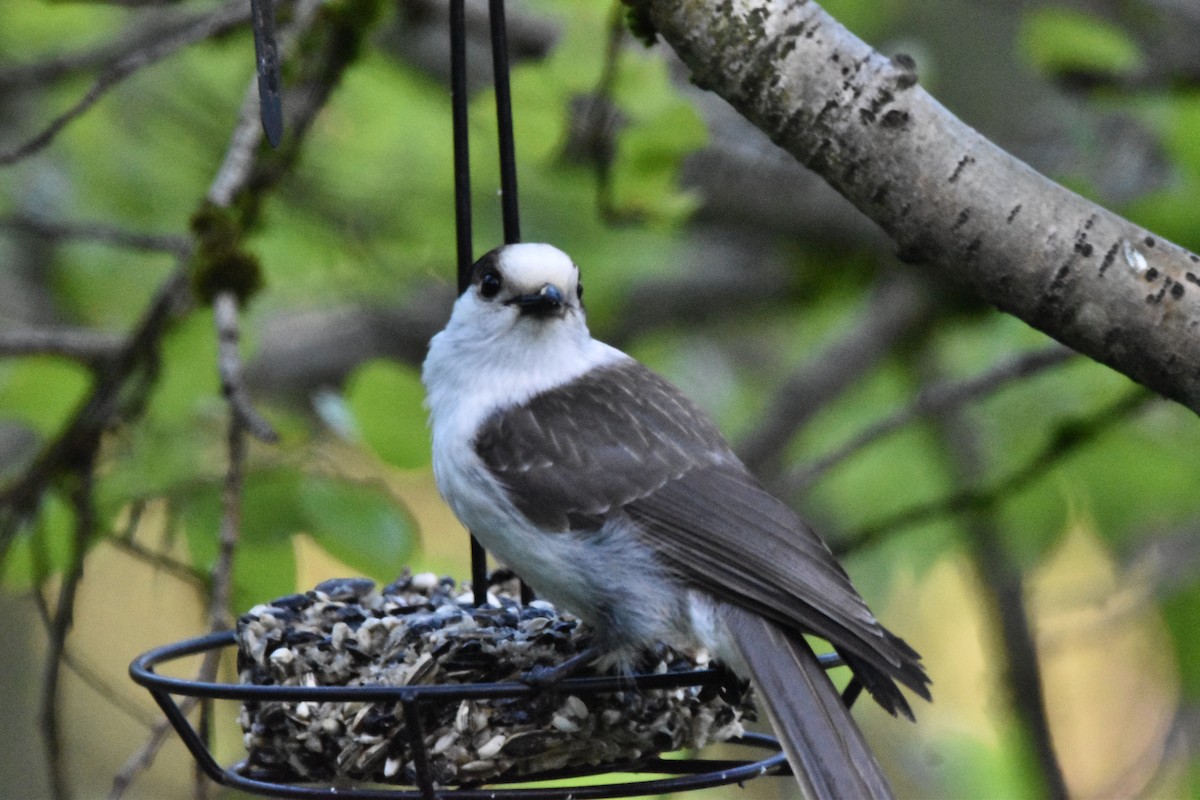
(543, 678)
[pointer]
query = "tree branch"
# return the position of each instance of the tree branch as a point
(220, 617)
(90, 347)
(142, 760)
(932, 401)
(1069, 438)
(947, 196)
(154, 25)
(99, 232)
(1000, 576)
(225, 18)
(83, 505)
(229, 365)
(895, 309)
(114, 397)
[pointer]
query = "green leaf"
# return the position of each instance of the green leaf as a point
(269, 513)
(665, 130)
(188, 386)
(387, 403)
(42, 392)
(1179, 611)
(271, 505)
(42, 549)
(1057, 40)
(262, 571)
(361, 525)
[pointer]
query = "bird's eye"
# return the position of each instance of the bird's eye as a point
(489, 285)
(579, 290)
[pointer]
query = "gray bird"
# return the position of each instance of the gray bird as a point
(616, 498)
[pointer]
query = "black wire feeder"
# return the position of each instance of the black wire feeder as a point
(686, 774)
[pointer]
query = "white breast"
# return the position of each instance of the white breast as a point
(470, 375)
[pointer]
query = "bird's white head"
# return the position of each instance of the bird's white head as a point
(517, 328)
(529, 286)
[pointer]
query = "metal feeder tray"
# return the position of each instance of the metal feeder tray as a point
(688, 774)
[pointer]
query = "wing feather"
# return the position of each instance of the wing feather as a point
(622, 440)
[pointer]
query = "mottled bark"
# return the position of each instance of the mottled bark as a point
(946, 195)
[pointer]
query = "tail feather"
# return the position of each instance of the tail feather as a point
(824, 746)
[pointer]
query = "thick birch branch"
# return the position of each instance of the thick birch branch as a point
(947, 196)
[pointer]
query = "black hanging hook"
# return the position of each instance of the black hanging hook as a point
(266, 54)
(504, 123)
(462, 177)
(462, 150)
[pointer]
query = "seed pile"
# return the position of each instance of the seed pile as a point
(422, 630)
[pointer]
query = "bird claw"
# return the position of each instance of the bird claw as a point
(543, 678)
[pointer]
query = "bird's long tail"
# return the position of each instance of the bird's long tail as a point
(824, 746)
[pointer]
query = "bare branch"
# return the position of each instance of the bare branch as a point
(143, 759)
(83, 504)
(224, 19)
(239, 165)
(154, 25)
(115, 397)
(171, 566)
(107, 689)
(931, 402)
(219, 616)
(80, 344)
(242, 418)
(229, 365)
(98, 232)
(1069, 438)
(896, 308)
(1001, 578)
(241, 170)
(946, 195)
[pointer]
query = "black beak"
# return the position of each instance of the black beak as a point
(546, 302)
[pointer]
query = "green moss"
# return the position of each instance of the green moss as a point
(637, 19)
(220, 263)
(349, 22)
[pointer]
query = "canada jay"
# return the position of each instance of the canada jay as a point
(616, 498)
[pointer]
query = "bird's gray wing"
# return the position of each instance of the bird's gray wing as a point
(573, 456)
(621, 440)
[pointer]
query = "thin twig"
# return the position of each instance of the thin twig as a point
(1070, 437)
(143, 759)
(161, 561)
(894, 310)
(83, 504)
(238, 164)
(94, 348)
(229, 366)
(930, 402)
(220, 618)
(97, 232)
(223, 19)
(155, 25)
(115, 397)
(595, 122)
(99, 683)
(1001, 578)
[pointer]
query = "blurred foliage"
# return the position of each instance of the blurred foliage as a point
(41, 392)
(366, 217)
(1059, 40)
(386, 403)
